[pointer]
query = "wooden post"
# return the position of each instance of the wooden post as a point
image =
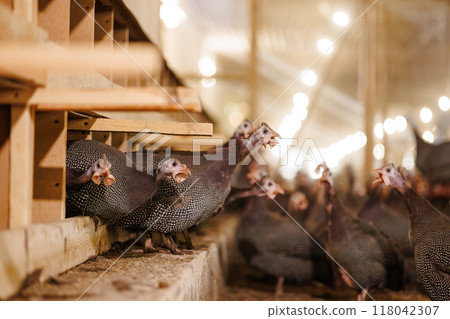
(21, 165)
(104, 137)
(119, 140)
(26, 9)
(104, 30)
(367, 82)
(121, 36)
(50, 167)
(252, 71)
(82, 24)
(54, 18)
(4, 165)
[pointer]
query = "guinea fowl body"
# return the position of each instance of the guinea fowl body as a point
(109, 203)
(362, 250)
(277, 246)
(430, 237)
(177, 207)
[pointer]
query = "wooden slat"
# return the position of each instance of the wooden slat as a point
(104, 32)
(79, 135)
(135, 126)
(49, 167)
(112, 99)
(121, 38)
(4, 166)
(119, 141)
(54, 17)
(49, 249)
(21, 174)
(81, 24)
(104, 137)
(27, 10)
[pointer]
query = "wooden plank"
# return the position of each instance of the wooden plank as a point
(27, 10)
(104, 137)
(21, 174)
(79, 135)
(119, 141)
(136, 126)
(49, 167)
(4, 166)
(54, 17)
(82, 21)
(49, 249)
(112, 99)
(104, 32)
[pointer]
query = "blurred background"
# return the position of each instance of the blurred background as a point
(364, 75)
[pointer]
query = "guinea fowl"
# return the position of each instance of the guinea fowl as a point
(367, 259)
(429, 235)
(177, 207)
(278, 246)
(393, 224)
(433, 160)
(110, 201)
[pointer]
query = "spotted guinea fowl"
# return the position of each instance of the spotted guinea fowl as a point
(278, 246)
(109, 201)
(429, 235)
(177, 207)
(368, 260)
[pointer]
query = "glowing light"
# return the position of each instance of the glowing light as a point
(208, 82)
(408, 160)
(444, 103)
(379, 130)
(299, 111)
(400, 123)
(235, 118)
(207, 66)
(309, 77)
(426, 115)
(361, 139)
(389, 126)
(325, 46)
(341, 18)
(171, 14)
(428, 136)
(301, 99)
(289, 126)
(378, 151)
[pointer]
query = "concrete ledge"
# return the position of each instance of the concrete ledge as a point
(39, 251)
(156, 276)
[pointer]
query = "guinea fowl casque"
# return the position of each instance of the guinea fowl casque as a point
(278, 246)
(177, 207)
(111, 201)
(429, 235)
(363, 251)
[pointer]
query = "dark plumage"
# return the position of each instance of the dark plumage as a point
(100, 168)
(362, 250)
(278, 246)
(429, 235)
(130, 189)
(176, 207)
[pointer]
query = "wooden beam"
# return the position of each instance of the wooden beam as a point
(104, 137)
(21, 173)
(253, 66)
(121, 36)
(107, 99)
(82, 24)
(135, 126)
(4, 165)
(119, 141)
(54, 17)
(27, 10)
(7, 3)
(79, 135)
(50, 167)
(104, 32)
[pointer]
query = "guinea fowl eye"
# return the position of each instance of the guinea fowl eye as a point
(98, 165)
(246, 125)
(174, 164)
(388, 170)
(265, 131)
(270, 184)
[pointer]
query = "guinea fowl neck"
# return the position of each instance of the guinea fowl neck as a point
(255, 210)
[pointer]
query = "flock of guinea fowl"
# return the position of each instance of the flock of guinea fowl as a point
(315, 233)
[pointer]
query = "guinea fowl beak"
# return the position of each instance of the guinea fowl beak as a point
(103, 171)
(272, 142)
(181, 174)
(380, 178)
(272, 193)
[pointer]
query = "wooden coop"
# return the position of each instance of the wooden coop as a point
(70, 70)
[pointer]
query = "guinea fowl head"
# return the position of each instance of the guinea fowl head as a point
(264, 135)
(172, 168)
(298, 202)
(245, 129)
(101, 169)
(391, 177)
(271, 188)
(256, 172)
(327, 179)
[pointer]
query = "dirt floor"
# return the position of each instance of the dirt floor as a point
(248, 284)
